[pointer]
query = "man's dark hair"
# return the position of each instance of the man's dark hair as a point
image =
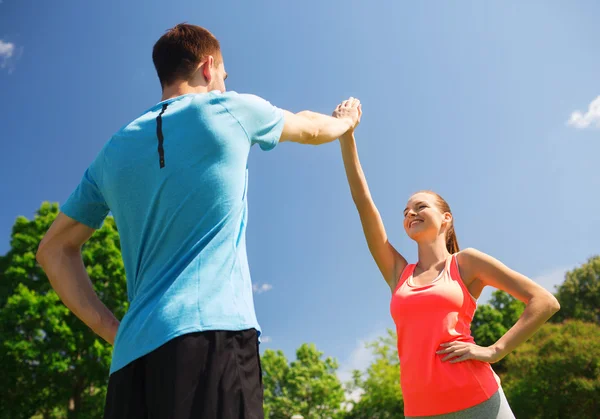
(178, 52)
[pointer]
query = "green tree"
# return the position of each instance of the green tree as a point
(556, 374)
(492, 320)
(308, 386)
(579, 295)
(53, 364)
(381, 396)
(488, 325)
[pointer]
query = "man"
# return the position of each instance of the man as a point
(175, 180)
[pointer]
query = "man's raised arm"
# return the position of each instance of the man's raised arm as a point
(313, 128)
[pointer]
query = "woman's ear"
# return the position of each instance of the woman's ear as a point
(448, 218)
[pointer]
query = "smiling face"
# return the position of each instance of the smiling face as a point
(424, 221)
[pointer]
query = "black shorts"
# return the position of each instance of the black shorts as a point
(208, 375)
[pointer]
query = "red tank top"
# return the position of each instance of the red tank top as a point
(427, 316)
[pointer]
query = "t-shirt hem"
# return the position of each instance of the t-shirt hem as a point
(276, 132)
(65, 209)
(116, 366)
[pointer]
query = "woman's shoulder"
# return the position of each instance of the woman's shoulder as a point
(401, 269)
(471, 261)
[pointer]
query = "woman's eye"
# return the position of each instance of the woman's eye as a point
(422, 206)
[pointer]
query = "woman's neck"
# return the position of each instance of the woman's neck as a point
(432, 253)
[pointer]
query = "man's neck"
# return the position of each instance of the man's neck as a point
(181, 89)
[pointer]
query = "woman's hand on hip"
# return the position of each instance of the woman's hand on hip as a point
(458, 351)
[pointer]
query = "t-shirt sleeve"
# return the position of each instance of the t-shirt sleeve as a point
(262, 121)
(87, 204)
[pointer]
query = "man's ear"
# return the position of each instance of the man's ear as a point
(207, 67)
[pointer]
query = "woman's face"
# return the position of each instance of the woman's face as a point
(423, 220)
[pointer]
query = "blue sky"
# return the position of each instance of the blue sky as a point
(470, 99)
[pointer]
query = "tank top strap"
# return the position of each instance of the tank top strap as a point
(406, 273)
(456, 277)
(445, 274)
(453, 268)
(448, 266)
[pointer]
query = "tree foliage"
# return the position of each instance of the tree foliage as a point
(381, 396)
(492, 320)
(53, 364)
(579, 294)
(307, 386)
(556, 374)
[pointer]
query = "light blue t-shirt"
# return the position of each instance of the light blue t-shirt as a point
(182, 226)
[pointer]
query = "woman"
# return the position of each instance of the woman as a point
(444, 374)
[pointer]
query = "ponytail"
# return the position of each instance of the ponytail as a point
(452, 241)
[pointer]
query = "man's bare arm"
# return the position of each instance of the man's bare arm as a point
(59, 254)
(314, 128)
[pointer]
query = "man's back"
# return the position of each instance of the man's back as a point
(181, 214)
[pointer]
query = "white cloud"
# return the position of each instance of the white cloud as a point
(266, 339)
(9, 53)
(582, 120)
(7, 49)
(260, 288)
(360, 358)
(551, 279)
